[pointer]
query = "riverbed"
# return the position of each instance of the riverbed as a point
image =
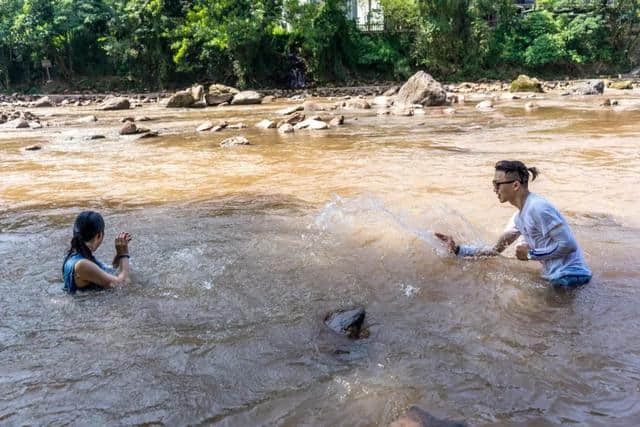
(239, 253)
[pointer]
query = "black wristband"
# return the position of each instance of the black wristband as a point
(456, 250)
(122, 256)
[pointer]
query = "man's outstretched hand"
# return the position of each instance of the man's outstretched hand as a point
(448, 242)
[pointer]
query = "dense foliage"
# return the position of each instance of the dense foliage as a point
(164, 43)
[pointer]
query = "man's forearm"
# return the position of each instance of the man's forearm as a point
(471, 250)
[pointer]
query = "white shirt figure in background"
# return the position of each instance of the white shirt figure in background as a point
(547, 235)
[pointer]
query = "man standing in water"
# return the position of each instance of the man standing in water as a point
(546, 232)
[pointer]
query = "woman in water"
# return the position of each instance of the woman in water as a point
(80, 269)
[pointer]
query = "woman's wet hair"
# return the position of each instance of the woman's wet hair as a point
(517, 170)
(88, 225)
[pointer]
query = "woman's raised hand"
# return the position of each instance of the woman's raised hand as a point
(122, 243)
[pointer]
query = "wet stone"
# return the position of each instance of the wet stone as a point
(349, 323)
(234, 141)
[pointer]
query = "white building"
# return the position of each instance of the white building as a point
(366, 13)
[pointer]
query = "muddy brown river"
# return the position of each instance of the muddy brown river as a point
(239, 253)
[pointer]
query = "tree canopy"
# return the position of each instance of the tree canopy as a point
(163, 43)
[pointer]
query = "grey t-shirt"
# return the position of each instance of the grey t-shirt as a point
(535, 222)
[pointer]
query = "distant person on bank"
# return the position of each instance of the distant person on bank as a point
(546, 233)
(80, 269)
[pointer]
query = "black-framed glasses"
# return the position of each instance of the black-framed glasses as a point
(497, 185)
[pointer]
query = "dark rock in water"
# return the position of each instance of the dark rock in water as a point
(94, 137)
(591, 87)
(34, 148)
(416, 417)
(348, 322)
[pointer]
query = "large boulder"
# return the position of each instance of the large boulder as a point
(422, 89)
(247, 97)
(525, 84)
(219, 94)
(117, 103)
(218, 89)
(622, 84)
(591, 87)
(197, 92)
(45, 101)
(19, 123)
(212, 99)
(181, 99)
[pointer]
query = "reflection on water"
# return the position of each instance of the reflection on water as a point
(239, 254)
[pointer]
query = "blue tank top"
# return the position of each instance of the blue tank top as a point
(68, 269)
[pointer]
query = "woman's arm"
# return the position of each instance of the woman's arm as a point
(88, 272)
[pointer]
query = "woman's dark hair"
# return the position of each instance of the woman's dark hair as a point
(518, 170)
(87, 225)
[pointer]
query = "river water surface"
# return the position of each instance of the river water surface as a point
(239, 253)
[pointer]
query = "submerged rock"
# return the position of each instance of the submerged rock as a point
(285, 128)
(129, 128)
(484, 106)
(239, 125)
(149, 134)
(266, 124)
(205, 126)
(290, 110)
(530, 106)
(348, 322)
(87, 119)
(416, 417)
(234, 141)
(337, 121)
(34, 148)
